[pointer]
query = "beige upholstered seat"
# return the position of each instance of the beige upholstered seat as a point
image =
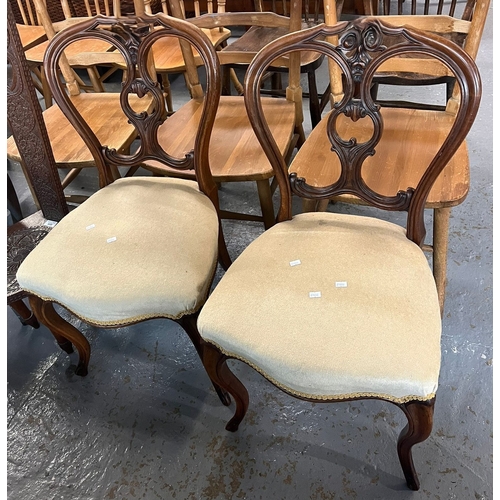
(378, 306)
(160, 264)
(333, 307)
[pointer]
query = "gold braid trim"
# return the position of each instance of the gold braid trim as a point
(134, 319)
(337, 397)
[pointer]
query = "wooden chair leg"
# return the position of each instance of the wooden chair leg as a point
(95, 79)
(236, 82)
(418, 429)
(65, 333)
(440, 251)
(217, 369)
(266, 202)
(25, 315)
(314, 104)
(165, 82)
(188, 323)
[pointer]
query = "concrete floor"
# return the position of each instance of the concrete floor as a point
(146, 423)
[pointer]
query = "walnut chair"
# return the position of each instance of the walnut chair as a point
(141, 247)
(336, 307)
(422, 127)
(71, 154)
(25, 120)
(235, 153)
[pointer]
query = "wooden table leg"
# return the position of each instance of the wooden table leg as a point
(440, 250)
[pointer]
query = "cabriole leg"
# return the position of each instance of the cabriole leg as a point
(219, 372)
(188, 323)
(419, 414)
(65, 333)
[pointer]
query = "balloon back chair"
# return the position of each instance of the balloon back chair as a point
(337, 307)
(140, 247)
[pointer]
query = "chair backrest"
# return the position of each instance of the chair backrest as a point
(89, 8)
(199, 8)
(465, 30)
(24, 11)
(24, 116)
(363, 46)
(133, 38)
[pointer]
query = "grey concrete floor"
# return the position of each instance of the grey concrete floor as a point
(146, 423)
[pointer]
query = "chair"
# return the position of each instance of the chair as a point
(30, 29)
(257, 37)
(25, 119)
(235, 154)
(452, 186)
(69, 150)
(336, 307)
(141, 247)
(441, 19)
(167, 54)
(89, 57)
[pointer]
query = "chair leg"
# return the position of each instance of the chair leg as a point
(314, 104)
(217, 369)
(188, 323)
(266, 202)
(440, 251)
(24, 314)
(65, 333)
(418, 429)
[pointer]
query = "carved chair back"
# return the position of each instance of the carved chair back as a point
(461, 22)
(133, 38)
(358, 49)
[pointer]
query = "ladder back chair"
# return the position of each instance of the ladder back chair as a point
(140, 248)
(99, 108)
(25, 120)
(337, 307)
(235, 154)
(422, 127)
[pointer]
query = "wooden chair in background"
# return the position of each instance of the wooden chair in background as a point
(235, 154)
(29, 26)
(167, 55)
(258, 36)
(421, 126)
(25, 120)
(140, 247)
(98, 108)
(439, 18)
(336, 307)
(91, 57)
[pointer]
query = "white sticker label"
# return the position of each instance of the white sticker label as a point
(314, 295)
(295, 263)
(50, 223)
(90, 227)
(110, 240)
(341, 284)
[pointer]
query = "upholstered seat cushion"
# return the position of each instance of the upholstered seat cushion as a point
(373, 331)
(140, 247)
